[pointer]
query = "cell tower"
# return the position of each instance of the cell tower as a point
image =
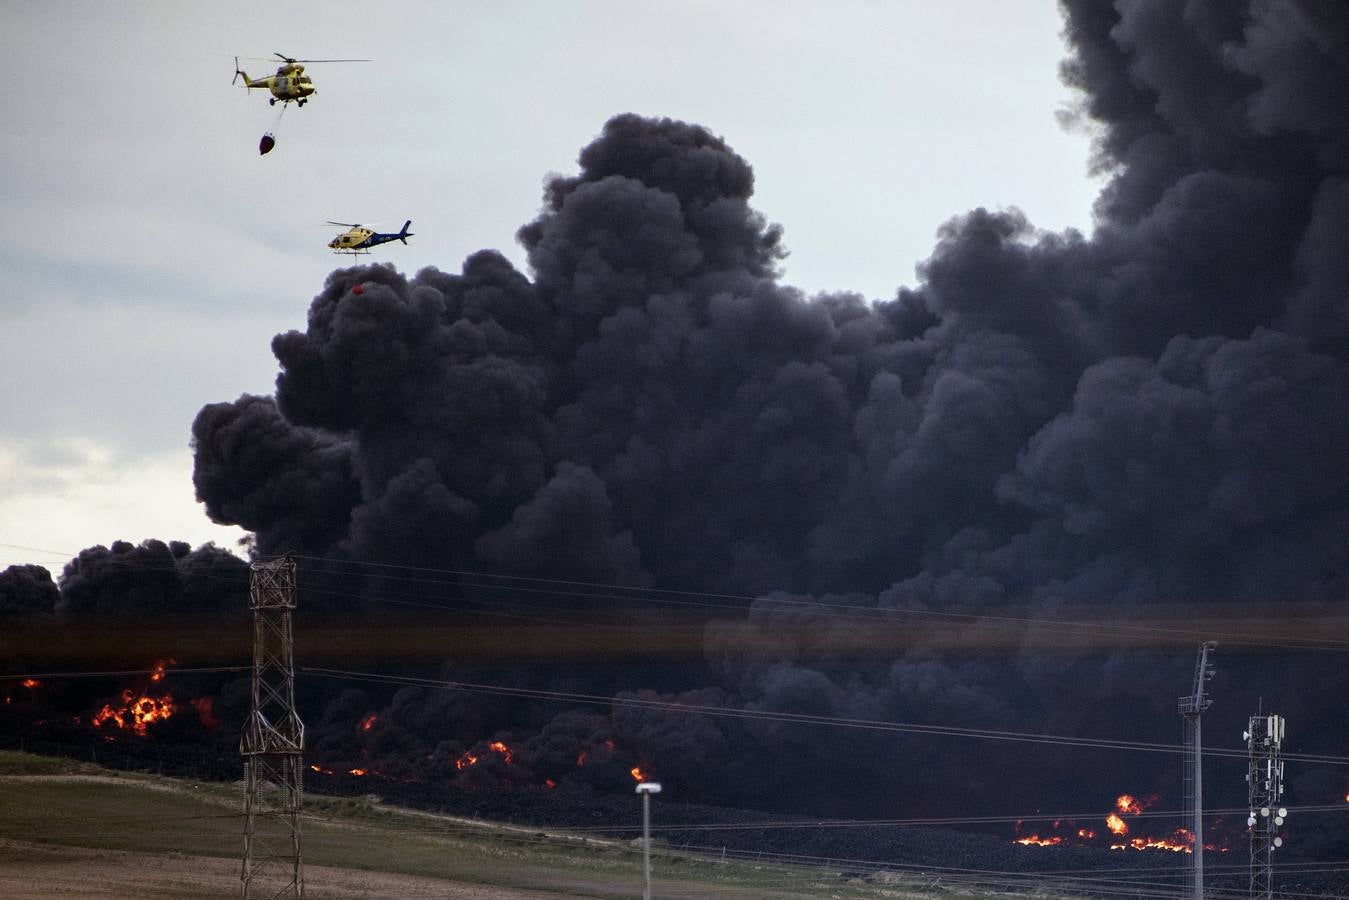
(272, 741)
(1264, 780)
(1192, 709)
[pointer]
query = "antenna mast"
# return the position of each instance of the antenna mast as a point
(1192, 709)
(272, 743)
(1264, 779)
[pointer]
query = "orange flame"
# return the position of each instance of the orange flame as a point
(358, 772)
(31, 683)
(368, 722)
(158, 673)
(637, 773)
(1181, 842)
(1158, 844)
(469, 758)
(1129, 805)
(136, 713)
(581, 761)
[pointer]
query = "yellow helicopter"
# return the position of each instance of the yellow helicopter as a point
(359, 239)
(289, 83)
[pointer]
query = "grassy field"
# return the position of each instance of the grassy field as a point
(61, 820)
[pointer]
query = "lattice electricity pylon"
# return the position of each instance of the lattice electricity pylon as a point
(1264, 779)
(1192, 709)
(272, 743)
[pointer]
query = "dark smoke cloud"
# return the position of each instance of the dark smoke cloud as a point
(124, 579)
(1048, 425)
(565, 530)
(27, 592)
(288, 484)
(152, 582)
(131, 609)
(28, 599)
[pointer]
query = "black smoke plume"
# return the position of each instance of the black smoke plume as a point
(1143, 422)
(887, 510)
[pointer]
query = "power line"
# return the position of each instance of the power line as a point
(928, 821)
(643, 594)
(795, 718)
(88, 824)
(1092, 877)
(126, 673)
(521, 584)
(704, 709)
(829, 610)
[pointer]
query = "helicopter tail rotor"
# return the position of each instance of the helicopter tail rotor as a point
(240, 73)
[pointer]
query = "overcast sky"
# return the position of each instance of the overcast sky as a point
(150, 253)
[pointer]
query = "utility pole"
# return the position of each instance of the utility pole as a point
(272, 743)
(1192, 709)
(1264, 785)
(646, 789)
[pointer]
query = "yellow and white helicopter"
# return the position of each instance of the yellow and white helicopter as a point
(289, 83)
(359, 239)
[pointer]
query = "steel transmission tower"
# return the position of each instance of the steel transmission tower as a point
(1192, 709)
(1264, 779)
(272, 742)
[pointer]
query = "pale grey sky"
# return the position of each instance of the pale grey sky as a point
(150, 253)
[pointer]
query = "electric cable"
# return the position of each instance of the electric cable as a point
(794, 718)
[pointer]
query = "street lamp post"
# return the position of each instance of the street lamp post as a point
(646, 789)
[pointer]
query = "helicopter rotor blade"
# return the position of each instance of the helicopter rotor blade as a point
(345, 224)
(287, 59)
